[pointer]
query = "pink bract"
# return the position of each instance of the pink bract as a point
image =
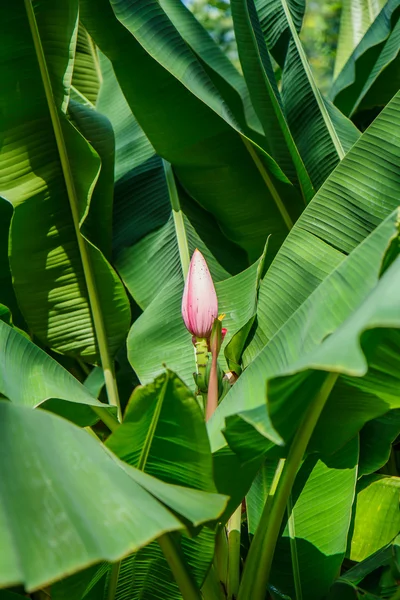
(199, 302)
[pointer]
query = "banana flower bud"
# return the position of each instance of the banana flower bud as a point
(199, 302)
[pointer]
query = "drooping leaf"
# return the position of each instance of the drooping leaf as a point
(49, 181)
(48, 468)
(30, 377)
(323, 334)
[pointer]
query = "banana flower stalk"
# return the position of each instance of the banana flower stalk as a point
(200, 312)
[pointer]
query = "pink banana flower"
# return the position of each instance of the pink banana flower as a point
(199, 302)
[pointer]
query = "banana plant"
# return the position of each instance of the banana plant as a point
(199, 314)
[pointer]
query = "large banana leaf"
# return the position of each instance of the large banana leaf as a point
(322, 134)
(193, 127)
(49, 467)
(362, 191)
(30, 377)
(50, 175)
(377, 515)
(370, 76)
(355, 19)
(323, 334)
(318, 525)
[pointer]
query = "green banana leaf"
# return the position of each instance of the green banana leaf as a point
(193, 128)
(355, 19)
(164, 434)
(367, 71)
(285, 369)
(377, 515)
(321, 132)
(30, 377)
(49, 180)
(48, 468)
(318, 526)
(363, 190)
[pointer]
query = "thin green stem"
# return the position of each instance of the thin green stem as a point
(179, 223)
(233, 533)
(320, 101)
(221, 557)
(113, 580)
(293, 550)
(252, 566)
(269, 183)
(183, 578)
(212, 393)
(254, 582)
(106, 361)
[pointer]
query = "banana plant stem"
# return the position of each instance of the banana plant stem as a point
(113, 580)
(83, 245)
(254, 582)
(233, 533)
(293, 550)
(183, 577)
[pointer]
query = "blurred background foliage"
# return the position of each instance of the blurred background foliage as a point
(319, 33)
